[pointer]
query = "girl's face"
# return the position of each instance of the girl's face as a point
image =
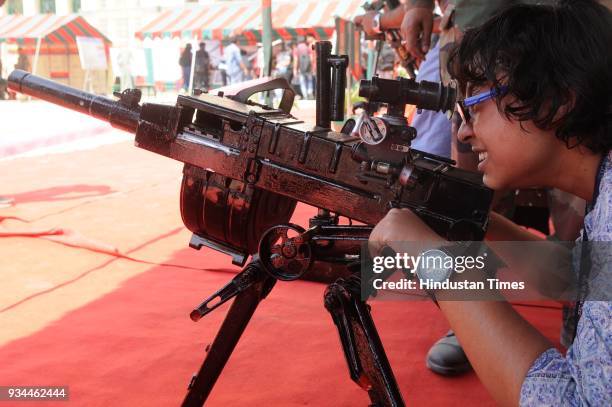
(509, 155)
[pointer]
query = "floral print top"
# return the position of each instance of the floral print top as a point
(583, 377)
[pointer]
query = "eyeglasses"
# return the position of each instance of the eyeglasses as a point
(463, 106)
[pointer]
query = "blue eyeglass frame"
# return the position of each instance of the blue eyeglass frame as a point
(462, 105)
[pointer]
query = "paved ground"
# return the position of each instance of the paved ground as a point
(32, 125)
(35, 127)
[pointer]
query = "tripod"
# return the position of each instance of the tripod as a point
(286, 252)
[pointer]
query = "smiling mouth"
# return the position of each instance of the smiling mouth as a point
(482, 159)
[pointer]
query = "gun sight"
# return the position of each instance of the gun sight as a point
(400, 92)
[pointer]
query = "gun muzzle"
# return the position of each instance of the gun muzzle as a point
(118, 114)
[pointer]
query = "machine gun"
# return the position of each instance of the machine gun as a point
(246, 166)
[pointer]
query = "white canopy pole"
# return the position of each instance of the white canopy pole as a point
(194, 49)
(36, 55)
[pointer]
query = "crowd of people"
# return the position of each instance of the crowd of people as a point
(294, 61)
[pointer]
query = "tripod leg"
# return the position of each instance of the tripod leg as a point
(363, 349)
(234, 324)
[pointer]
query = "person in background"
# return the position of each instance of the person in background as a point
(283, 62)
(3, 84)
(249, 65)
(295, 81)
(185, 63)
(234, 65)
(259, 64)
(303, 68)
(222, 67)
(202, 68)
(23, 62)
(283, 66)
(311, 41)
(386, 62)
(124, 61)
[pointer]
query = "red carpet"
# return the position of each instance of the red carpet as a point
(138, 347)
(73, 317)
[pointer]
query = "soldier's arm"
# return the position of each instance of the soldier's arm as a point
(416, 27)
(389, 20)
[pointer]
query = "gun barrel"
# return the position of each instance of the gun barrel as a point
(117, 114)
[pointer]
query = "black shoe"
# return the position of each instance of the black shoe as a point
(446, 357)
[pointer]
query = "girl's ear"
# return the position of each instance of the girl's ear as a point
(564, 109)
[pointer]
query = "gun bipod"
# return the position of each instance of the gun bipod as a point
(257, 285)
(367, 362)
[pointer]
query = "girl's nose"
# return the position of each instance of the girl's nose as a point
(465, 133)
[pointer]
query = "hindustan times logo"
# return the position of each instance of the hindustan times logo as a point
(412, 263)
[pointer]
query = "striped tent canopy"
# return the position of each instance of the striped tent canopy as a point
(290, 19)
(300, 18)
(210, 21)
(57, 33)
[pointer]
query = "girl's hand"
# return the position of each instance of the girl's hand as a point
(400, 225)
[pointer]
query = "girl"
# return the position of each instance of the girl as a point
(538, 81)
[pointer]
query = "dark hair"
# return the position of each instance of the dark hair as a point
(548, 56)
